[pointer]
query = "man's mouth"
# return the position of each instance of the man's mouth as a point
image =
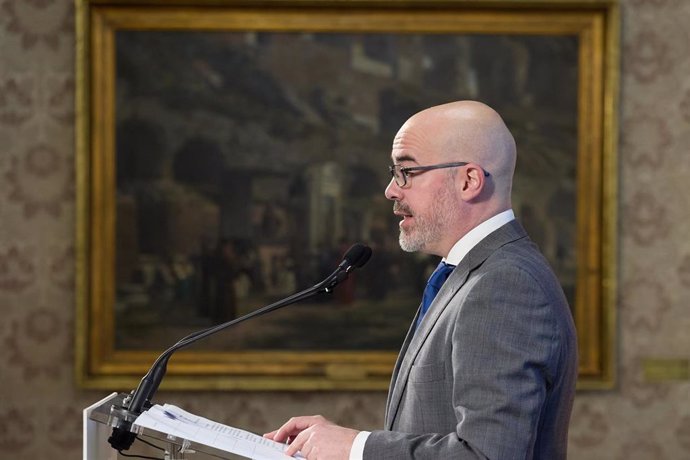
(402, 211)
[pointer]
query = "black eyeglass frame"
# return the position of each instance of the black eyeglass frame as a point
(404, 170)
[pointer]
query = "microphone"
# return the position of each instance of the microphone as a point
(355, 257)
(139, 400)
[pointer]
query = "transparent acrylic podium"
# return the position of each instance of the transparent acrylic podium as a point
(98, 420)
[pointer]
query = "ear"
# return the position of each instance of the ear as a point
(472, 182)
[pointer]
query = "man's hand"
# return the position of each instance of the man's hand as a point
(316, 438)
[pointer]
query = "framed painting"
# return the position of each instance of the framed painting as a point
(229, 152)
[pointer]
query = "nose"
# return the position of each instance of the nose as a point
(393, 191)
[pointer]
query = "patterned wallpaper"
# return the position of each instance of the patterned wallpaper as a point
(40, 405)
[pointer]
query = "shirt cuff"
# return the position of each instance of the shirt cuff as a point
(357, 450)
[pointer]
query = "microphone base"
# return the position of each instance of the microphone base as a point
(121, 439)
(121, 419)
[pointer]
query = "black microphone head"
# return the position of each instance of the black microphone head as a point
(354, 254)
(366, 255)
(357, 255)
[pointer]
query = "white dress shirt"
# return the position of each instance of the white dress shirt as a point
(455, 256)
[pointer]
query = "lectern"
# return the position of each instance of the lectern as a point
(99, 420)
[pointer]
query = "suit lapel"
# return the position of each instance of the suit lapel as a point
(414, 340)
(398, 362)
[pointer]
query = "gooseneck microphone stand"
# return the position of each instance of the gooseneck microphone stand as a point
(140, 399)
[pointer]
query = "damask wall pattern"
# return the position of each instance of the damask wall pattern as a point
(40, 404)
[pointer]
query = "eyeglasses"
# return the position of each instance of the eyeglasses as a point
(401, 173)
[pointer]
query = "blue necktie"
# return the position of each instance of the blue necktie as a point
(434, 284)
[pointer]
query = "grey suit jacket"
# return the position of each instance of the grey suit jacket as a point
(491, 371)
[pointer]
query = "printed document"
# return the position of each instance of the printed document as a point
(182, 424)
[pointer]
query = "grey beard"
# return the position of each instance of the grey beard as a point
(408, 243)
(430, 228)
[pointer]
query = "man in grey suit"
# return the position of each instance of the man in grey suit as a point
(488, 368)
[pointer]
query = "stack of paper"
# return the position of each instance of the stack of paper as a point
(180, 423)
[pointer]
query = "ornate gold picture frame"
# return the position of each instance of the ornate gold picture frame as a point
(227, 150)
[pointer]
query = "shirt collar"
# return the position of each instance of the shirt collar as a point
(474, 236)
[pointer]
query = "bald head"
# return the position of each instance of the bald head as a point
(438, 203)
(469, 131)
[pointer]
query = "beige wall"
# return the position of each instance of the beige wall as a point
(39, 403)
